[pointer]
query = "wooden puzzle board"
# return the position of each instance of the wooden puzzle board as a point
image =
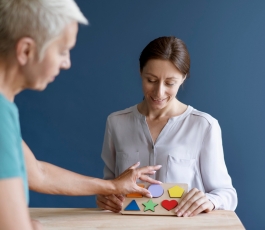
(159, 210)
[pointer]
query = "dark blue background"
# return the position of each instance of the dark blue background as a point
(65, 124)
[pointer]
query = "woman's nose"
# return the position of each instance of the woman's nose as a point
(66, 64)
(159, 91)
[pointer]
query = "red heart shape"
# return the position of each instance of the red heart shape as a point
(169, 204)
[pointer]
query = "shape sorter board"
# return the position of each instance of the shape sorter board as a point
(137, 205)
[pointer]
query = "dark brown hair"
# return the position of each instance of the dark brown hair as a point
(167, 48)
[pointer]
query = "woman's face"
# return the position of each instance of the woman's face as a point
(161, 81)
(56, 57)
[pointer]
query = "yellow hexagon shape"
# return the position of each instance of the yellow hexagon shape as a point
(176, 192)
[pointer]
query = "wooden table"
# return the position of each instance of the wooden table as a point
(80, 218)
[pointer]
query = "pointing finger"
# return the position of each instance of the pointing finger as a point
(150, 180)
(149, 169)
(135, 165)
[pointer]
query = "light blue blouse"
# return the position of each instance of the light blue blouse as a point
(189, 148)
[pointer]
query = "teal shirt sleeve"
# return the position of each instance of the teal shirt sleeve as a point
(12, 162)
(10, 165)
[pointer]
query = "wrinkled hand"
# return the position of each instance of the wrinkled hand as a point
(193, 203)
(111, 202)
(126, 182)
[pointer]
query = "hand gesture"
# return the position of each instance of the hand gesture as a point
(126, 182)
(112, 202)
(193, 203)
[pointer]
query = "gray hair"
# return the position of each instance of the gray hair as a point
(41, 20)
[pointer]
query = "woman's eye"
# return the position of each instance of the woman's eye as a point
(152, 81)
(170, 83)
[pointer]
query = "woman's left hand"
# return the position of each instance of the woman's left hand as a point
(193, 203)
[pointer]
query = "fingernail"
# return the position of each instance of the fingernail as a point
(160, 166)
(149, 195)
(179, 214)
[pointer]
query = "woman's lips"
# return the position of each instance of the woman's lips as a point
(158, 100)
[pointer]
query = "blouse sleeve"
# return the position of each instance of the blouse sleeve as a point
(217, 182)
(108, 154)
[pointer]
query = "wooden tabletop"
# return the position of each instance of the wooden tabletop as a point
(76, 219)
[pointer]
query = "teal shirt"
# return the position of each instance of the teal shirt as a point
(12, 163)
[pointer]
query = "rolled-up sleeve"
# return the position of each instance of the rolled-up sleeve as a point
(216, 180)
(108, 154)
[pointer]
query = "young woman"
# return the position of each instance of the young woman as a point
(162, 130)
(35, 39)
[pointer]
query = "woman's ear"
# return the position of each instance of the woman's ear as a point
(25, 50)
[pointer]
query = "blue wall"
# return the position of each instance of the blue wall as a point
(65, 124)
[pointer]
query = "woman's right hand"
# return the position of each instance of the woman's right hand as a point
(111, 202)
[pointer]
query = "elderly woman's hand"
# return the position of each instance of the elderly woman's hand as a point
(111, 202)
(193, 203)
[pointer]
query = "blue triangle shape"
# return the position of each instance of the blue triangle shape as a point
(132, 206)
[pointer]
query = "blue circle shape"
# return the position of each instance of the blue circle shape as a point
(156, 190)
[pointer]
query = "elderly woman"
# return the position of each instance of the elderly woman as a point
(35, 39)
(162, 130)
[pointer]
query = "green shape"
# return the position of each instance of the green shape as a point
(149, 205)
